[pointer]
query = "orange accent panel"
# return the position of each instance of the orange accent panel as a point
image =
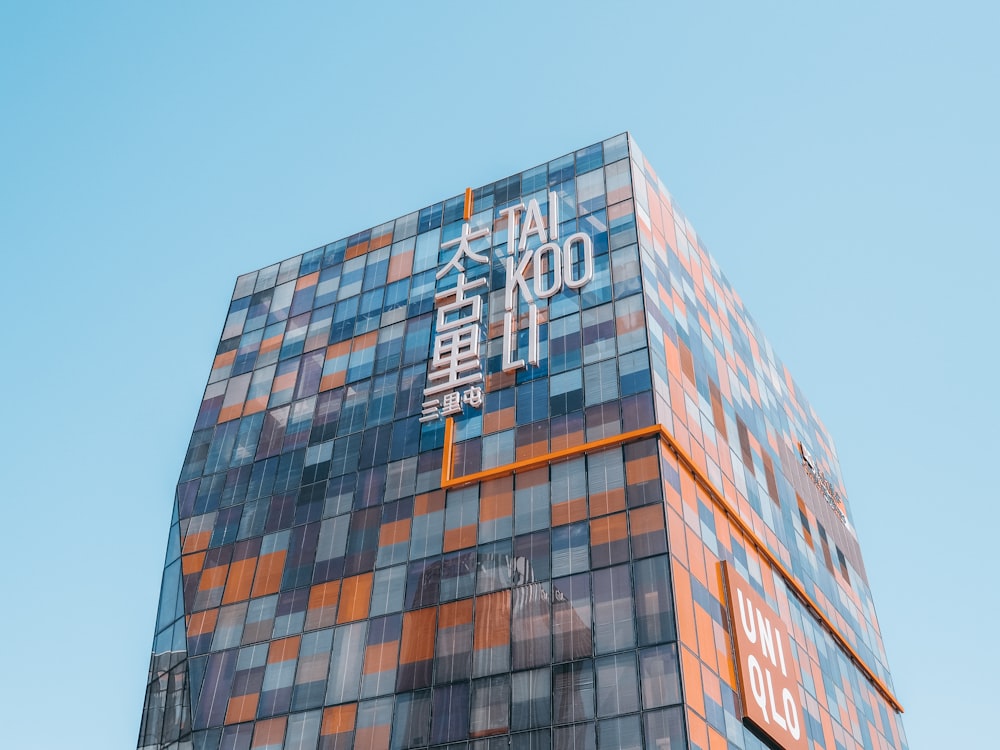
(377, 243)
(306, 281)
(492, 625)
(270, 345)
(608, 529)
(197, 542)
(376, 738)
(269, 732)
(202, 622)
(394, 533)
(646, 519)
(324, 595)
(224, 359)
(339, 719)
(284, 650)
(269, 570)
(353, 251)
(569, 511)
(230, 412)
(455, 613)
(400, 266)
(602, 503)
(192, 563)
(418, 639)
(255, 405)
(460, 538)
(240, 580)
(355, 596)
(691, 671)
(685, 607)
(429, 502)
(380, 657)
(242, 708)
(496, 499)
(212, 578)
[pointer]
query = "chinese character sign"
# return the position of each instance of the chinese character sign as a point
(536, 265)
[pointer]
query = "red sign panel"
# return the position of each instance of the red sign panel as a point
(768, 675)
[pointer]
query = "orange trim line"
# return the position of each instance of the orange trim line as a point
(448, 482)
(467, 208)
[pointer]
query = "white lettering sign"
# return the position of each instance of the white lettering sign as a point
(531, 275)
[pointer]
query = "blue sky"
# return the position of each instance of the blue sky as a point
(840, 162)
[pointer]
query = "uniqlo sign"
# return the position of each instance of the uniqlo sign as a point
(768, 675)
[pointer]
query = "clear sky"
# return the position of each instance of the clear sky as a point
(839, 159)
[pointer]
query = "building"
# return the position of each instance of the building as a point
(514, 470)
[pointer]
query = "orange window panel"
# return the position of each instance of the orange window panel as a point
(711, 685)
(322, 606)
(706, 637)
(213, 578)
(531, 440)
(242, 708)
(192, 563)
(381, 657)
(285, 649)
(418, 642)
(367, 341)
(372, 738)
(269, 570)
(496, 499)
(567, 432)
(691, 673)
(197, 542)
(377, 243)
(269, 732)
(697, 729)
(685, 606)
(225, 359)
(284, 382)
(306, 281)
(201, 623)
(460, 538)
(339, 719)
(608, 529)
(429, 502)
(240, 581)
(455, 613)
(492, 625)
(335, 366)
(647, 519)
(602, 503)
(716, 741)
(676, 534)
(255, 405)
(400, 266)
(642, 469)
(569, 511)
(229, 413)
(394, 532)
(502, 419)
(355, 597)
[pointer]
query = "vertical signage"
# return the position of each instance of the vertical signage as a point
(767, 673)
(536, 267)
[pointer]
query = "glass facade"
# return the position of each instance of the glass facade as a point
(466, 479)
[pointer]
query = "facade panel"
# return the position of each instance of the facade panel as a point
(466, 479)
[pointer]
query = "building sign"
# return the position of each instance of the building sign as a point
(531, 275)
(826, 488)
(767, 673)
